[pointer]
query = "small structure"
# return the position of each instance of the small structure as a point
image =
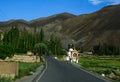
(30, 53)
(88, 53)
(72, 55)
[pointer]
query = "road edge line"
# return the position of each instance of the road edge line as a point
(43, 71)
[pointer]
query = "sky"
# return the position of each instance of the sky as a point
(33, 9)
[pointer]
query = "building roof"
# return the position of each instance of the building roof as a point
(74, 50)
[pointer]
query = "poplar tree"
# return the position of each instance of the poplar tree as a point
(55, 45)
(12, 37)
(42, 35)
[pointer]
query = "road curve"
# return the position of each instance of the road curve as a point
(59, 71)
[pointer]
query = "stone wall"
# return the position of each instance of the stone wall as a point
(23, 58)
(8, 69)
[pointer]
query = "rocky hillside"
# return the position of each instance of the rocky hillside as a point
(84, 31)
(99, 27)
(40, 22)
(51, 24)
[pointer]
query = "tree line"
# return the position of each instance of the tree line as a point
(15, 41)
(106, 49)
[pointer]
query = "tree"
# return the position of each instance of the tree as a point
(41, 35)
(55, 45)
(12, 37)
(6, 51)
(41, 48)
(58, 48)
(1, 37)
(105, 49)
(27, 41)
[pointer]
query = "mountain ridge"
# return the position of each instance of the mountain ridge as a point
(94, 28)
(85, 30)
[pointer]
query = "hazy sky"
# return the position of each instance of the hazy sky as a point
(32, 9)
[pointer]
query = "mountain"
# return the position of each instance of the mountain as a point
(84, 31)
(51, 24)
(41, 22)
(96, 28)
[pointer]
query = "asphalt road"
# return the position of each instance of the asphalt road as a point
(59, 71)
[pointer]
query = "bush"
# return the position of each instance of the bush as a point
(26, 68)
(106, 72)
(6, 51)
(5, 79)
(63, 52)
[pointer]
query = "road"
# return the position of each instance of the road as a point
(60, 71)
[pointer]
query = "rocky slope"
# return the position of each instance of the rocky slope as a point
(84, 31)
(51, 24)
(101, 27)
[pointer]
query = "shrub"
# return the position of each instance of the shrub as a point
(26, 68)
(6, 51)
(5, 79)
(63, 52)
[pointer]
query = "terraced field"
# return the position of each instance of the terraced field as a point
(107, 66)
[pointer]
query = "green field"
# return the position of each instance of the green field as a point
(110, 66)
(27, 68)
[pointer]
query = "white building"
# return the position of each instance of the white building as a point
(72, 55)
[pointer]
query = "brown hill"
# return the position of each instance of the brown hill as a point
(41, 22)
(84, 31)
(100, 27)
(51, 24)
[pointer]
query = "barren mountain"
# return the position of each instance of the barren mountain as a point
(99, 27)
(84, 31)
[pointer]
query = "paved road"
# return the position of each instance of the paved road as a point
(58, 71)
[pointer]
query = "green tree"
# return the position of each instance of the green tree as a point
(12, 37)
(1, 37)
(41, 48)
(42, 35)
(55, 45)
(6, 51)
(105, 49)
(26, 40)
(58, 47)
